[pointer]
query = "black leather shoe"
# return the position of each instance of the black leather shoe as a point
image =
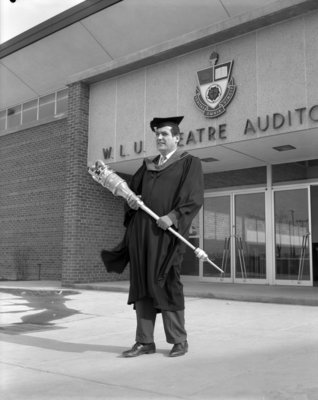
(138, 349)
(179, 349)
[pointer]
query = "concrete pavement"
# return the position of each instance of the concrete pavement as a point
(68, 346)
(301, 295)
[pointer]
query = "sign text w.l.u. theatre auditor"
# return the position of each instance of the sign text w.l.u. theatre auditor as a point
(291, 119)
(191, 138)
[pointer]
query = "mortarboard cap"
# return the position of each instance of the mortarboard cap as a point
(169, 121)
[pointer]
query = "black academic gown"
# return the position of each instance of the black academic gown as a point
(176, 189)
(155, 255)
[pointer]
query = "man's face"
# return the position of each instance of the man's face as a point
(166, 143)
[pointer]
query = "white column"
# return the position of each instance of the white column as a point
(270, 231)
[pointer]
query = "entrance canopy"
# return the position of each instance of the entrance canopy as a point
(273, 149)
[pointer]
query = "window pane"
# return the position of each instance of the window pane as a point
(29, 112)
(47, 106)
(190, 264)
(3, 120)
(239, 177)
(296, 171)
(61, 102)
(14, 116)
(250, 236)
(217, 232)
(291, 235)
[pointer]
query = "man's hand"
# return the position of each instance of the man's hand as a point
(164, 222)
(133, 202)
(201, 254)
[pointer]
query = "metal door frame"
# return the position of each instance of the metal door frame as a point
(294, 282)
(232, 194)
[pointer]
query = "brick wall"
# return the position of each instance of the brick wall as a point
(54, 219)
(92, 215)
(32, 182)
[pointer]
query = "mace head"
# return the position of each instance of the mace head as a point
(107, 177)
(99, 170)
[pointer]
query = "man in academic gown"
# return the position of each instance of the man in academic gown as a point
(171, 185)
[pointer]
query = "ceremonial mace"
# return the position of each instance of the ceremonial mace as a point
(107, 177)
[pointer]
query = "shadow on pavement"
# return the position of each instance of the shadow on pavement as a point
(47, 306)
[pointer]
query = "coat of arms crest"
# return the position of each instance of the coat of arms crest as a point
(216, 87)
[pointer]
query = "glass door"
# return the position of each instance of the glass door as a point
(292, 237)
(217, 236)
(234, 237)
(249, 235)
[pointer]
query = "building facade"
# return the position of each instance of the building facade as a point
(248, 91)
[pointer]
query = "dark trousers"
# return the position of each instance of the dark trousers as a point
(173, 322)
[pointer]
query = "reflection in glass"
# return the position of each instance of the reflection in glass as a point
(190, 264)
(3, 116)
(61, 101)
(291, 235)
(30, 111)
(217, 231)
(295, 171)
(14, 117)
(250, 241)
(47, 106)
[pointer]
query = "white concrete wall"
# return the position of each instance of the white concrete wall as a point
(275, 70)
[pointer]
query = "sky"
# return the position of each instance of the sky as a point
(21, 15)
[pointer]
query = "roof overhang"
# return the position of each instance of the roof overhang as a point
(207, 36)
(55, 24)
(99, 39)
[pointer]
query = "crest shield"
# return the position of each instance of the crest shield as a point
(216, 87)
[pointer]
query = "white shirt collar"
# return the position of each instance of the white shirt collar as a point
(167, 156)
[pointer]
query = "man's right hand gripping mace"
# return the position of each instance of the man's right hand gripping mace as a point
(104, 175)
